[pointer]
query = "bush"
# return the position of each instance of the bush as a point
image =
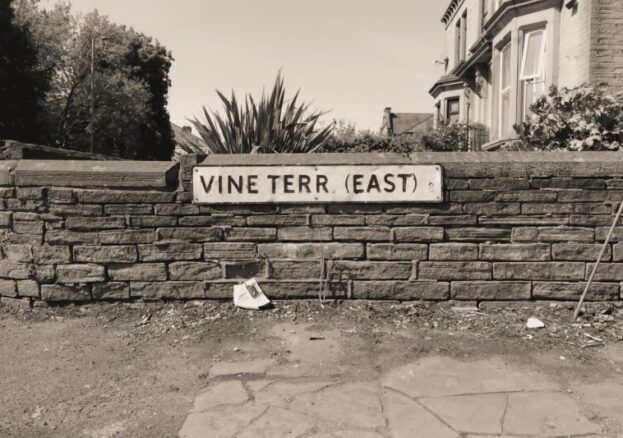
(451, 137)
(347, 139)
(577, 119)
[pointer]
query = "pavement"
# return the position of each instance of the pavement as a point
(312, 395)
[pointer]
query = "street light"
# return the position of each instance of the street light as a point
(92, 122)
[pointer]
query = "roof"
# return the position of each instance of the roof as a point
(450, 10)
(187, 142)
(407, 122)
(446, 82)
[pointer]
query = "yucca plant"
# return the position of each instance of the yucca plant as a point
(273, 125)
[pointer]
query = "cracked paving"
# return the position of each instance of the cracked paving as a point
(310, 396)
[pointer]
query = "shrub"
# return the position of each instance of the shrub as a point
(451, 137)
(346, 138)
(577, 119)
(271, 125)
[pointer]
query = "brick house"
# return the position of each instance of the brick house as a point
(405, 123)
(502, 54)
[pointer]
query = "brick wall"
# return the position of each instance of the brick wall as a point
(514, 226)
(607, 42)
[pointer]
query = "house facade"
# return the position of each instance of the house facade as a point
(503, 54)
(405, 123)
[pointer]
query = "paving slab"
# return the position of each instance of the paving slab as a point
(278, 422)
(220, 423)
(258, 366)
(225, 393)
(546, 414)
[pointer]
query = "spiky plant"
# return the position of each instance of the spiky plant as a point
(273, 125)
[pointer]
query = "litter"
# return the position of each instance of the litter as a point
(534, 323)
(249, 295)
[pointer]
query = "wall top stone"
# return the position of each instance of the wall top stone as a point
(76, 173)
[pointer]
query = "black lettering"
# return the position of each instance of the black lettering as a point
(220, 184)
(252, 183)
(304, 181)
(273, 179)
(287, 184)
(404, 177)
(389, 181)
(232, 183)
(357, 184)
(374, 184)
(321, 181)
(209, 186)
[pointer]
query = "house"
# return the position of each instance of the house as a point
(503, 54)
(186, 142)
(405, 123)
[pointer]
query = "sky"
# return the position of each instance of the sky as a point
(351, 58)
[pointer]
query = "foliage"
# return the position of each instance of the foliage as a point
(577, 119)
(347, 138)
(271, 125)
(451, 136)
(130, 83)
(22, 84)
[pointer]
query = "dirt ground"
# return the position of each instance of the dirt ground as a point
(134, 369)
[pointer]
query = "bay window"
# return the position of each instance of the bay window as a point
(532, 70)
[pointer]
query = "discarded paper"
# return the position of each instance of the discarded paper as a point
(249, 295)
(534, 323)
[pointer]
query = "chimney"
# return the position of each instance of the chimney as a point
(388, 125)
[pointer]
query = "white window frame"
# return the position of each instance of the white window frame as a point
(504, 91)
(539, 76)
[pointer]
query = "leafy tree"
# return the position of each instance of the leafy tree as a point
(22, 84)
(122, 104)
(271, 125)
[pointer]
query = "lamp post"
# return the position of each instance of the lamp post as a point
(92, 109)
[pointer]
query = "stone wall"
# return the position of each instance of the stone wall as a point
(513, 226)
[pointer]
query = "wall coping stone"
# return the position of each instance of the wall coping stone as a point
(77, 173)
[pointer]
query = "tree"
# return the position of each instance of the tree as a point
(22, 84)
(122, 104)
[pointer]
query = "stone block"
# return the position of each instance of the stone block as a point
(602, 232)
(120, 237)
(61, 196)
(572, 291)
(44, 273)
(94, 223)
(368, 234)
(472, 196)
(76, 210)
(568, 183)
(518, 252)
(111, 291)
(229, 250)
(213, 220)
(5, 218)
(245, 269)
(170, 251)
(526, 196)
(123, 196)
(123, 209)
(524, 220)
(566, 234)
(490, 290)
(454, 270)
(82, 273)
(606, 271)
(504, 184)
(7, 192)
(152, 221)
(27, 288)
(16, 270)
(176, 209)
(365, 270)
(397, 220)
(190, 234)
(105, 254)
(354, 208)
(65, 237)
(457, 184)
(28, 227)
(418, 234)
(302, 234)
(247, 209)
(51, 254)
(251, 234)
(478, 234)
(397, 251)
(574, 196)
(195, 271)
(493, 209)
(453, 220)
(592, 220)
(22, 239)
(525, 234)
(453, 251)
(170, 290)
(24, 205)
(337, 219)
(580, 251)
(302, 209)
(26, 216)
(311, 250)
(17, 252)
(137, 272)
(295, 269)
(278, 220)
(8, 288)
(401, 290)
(59, 292)
(30, 193)
(431, 209)
(544, 208)
(555, 271)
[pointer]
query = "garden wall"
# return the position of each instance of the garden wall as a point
(513, 226)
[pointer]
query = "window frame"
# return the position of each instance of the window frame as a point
(540, 77)
(449, 101)
(504, 91)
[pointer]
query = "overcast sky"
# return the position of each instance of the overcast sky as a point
(352, 57)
